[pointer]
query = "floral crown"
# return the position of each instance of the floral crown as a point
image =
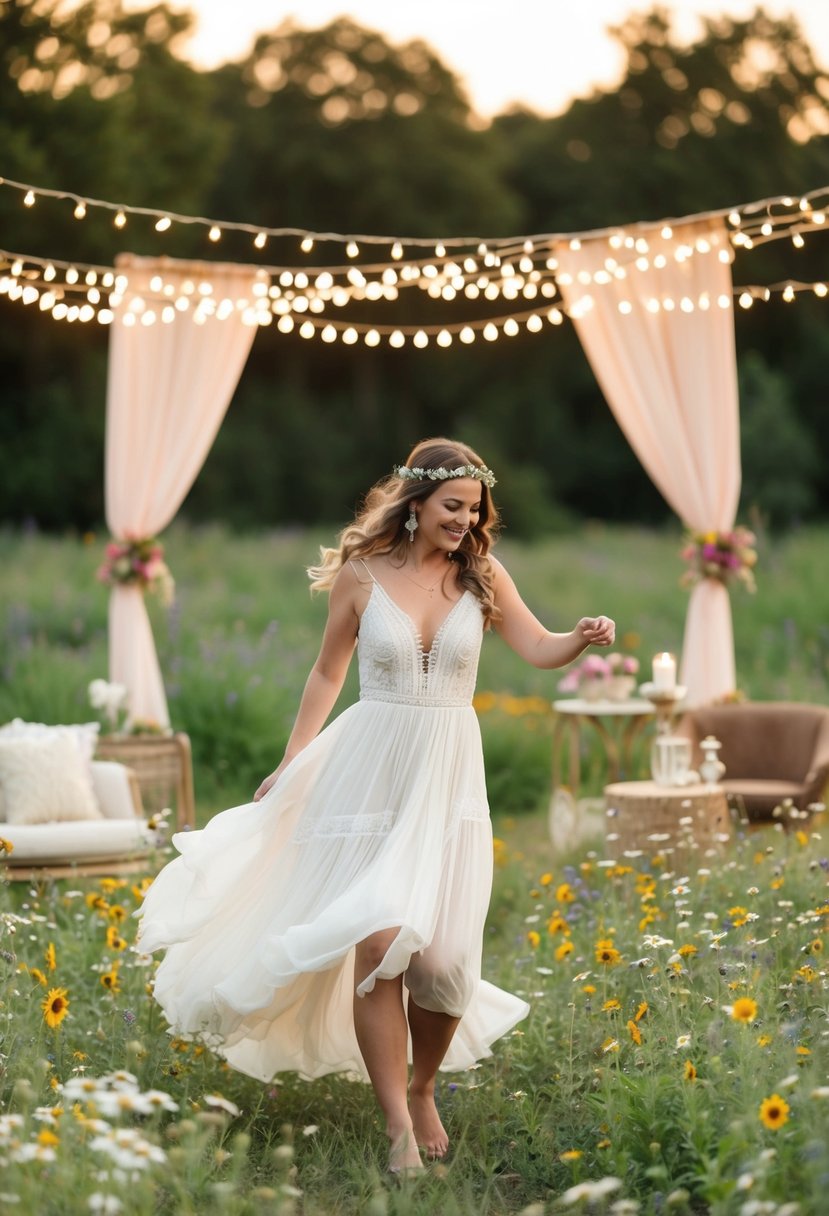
(479, 472)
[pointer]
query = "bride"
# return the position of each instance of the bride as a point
(335, 922)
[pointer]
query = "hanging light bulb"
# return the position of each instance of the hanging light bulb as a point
(120, 219)
(444, 338)
(307, 329)
(29, 198)
(372, 338)
(162, 224)
(397, 250)
(329, 334)
(420, 339)
(397, 339)
(215, 233)
(467, 335)
(491, 332)
(352, 249)
(306, 244)
(511, 327)
(80, 210)
(350, 336)
(260, 240)
(285, 323)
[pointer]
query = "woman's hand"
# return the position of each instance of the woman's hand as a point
(597, 630)
(269, 781)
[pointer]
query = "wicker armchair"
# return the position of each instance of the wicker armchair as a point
(772, 751)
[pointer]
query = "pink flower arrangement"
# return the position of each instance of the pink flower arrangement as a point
(137, 563)
(596, 678)
(726, 556)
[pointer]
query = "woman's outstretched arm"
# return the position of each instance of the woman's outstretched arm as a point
(327, 676)
(525, 634)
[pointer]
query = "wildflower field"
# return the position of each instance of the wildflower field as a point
(675, 1059)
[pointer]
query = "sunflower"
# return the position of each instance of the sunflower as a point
(690, 1072)
(534, 938)
(563, 950)
(109, 979)
(774, 1112)
(744, 1010)
(641, 1011)
(607, 953)
(634, 1032)
(55, 1007)
(51, 957)
(114, 939)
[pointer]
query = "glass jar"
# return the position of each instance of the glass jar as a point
(670, 760)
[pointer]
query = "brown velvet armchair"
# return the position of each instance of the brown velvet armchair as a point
(772, 750)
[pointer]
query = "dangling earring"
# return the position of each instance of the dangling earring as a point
(411, 524)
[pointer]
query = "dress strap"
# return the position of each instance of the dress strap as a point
(353, 563)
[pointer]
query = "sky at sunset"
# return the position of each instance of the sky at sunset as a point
(539, 52)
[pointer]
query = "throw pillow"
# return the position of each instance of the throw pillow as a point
(83, 734)
(44, 780)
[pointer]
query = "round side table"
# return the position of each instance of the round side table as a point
(628, 719)
(644, 815)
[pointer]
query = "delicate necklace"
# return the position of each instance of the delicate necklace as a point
(421, 585)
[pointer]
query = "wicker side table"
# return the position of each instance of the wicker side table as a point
(644, 815)
(163, 765)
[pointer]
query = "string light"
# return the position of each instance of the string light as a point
(80, 210)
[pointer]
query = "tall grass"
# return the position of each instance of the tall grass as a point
(675, 1059)
(238, 641)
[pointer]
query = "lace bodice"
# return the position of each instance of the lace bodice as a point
(395, 667)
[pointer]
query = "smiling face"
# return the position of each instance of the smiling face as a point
(445, 517)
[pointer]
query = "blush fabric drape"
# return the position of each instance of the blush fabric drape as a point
(653, 310)
(169, 386)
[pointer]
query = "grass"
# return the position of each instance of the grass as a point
(669, 1123)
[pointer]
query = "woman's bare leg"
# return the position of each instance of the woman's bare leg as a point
(431, 1035)
(382, 1035)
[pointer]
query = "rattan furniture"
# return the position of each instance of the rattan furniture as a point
(641, 815)
(163, 765)
(772, 751)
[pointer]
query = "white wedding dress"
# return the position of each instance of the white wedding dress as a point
(382, 821)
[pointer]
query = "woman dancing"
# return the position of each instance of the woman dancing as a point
(335, 923)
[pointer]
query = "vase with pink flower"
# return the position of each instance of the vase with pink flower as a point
(588, 679)
(622, 679)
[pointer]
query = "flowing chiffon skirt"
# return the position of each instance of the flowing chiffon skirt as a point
(381, 822)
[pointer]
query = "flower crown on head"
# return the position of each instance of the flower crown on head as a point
(480, 473)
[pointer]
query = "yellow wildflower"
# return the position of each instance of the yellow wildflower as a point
(640, 1012)
(563, 950)
(534, 938)
(565, 893)
(744, 1010)
(774, 1112)
(634, 1032)
(51, 959)
(55, 1007)
(690, 1072)
(570, 1154)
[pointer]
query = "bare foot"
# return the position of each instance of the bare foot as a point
(429, 1131)
(404, 1155)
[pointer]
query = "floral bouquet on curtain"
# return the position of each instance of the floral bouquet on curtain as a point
(137, 563)
(726, 556)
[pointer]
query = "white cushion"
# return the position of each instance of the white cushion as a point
(44, 779)
(83, 734)
(87, 840)
(111, 783)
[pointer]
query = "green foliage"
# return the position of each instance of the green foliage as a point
(780, 462)
(337, 129)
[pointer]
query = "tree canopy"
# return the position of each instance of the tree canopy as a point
(336, 128)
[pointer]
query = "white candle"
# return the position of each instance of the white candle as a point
(664, 672)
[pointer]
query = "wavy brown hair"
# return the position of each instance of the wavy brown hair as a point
(379, 525)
